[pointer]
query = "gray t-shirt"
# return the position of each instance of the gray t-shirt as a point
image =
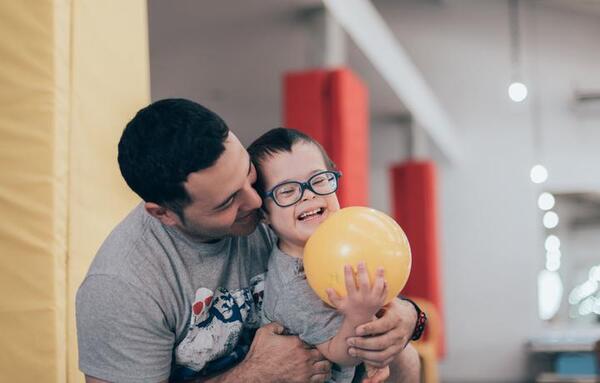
(289, 300)
(155, 304)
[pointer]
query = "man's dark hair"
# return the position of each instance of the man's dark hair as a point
(163, 144)
(279, 140)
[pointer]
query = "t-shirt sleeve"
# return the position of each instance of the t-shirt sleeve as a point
(122, 332)
(302, 312)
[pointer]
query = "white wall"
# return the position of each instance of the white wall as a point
(230, 57)
(569, 57)
(227, 56)
(488, 211)
(491, 230)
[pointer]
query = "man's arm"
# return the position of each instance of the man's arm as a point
(121, 332)
(406, 367)
(272, 358)
(91, 379)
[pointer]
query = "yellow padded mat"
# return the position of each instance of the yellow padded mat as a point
(72, 73)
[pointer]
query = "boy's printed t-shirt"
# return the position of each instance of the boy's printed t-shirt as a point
(289, 300)
(156, 305)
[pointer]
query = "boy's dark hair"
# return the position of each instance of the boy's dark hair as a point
(163, 144)
(279, 140)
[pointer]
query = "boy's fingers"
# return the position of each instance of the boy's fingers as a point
(384, 291)
(379, 284)
(349, 279)
(363, 277)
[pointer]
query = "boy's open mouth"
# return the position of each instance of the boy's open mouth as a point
(311, 214)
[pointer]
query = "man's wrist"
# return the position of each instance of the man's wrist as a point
(420, 322)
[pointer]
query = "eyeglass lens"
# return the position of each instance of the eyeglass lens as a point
(291, 192)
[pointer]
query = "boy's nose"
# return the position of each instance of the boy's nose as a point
(308, 194)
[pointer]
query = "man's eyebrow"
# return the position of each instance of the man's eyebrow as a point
(233, 194)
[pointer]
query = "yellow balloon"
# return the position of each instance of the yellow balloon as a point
(352, 235)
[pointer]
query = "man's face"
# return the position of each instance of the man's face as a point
(224, 203)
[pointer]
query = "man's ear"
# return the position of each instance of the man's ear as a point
(164, 215)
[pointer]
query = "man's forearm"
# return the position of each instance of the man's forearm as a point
(243, 372)
(236, 374)
(406, 367)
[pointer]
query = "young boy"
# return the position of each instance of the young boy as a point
(298, 182)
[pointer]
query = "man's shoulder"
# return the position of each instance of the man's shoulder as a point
(134, 234)
(132, 263)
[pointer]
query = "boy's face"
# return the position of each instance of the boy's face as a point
(303, 161)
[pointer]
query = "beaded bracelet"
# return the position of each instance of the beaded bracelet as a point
(421, 320)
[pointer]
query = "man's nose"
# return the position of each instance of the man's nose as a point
(252, 199)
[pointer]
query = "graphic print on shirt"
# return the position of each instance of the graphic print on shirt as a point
(221, 326)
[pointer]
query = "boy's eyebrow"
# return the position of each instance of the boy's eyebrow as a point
(309, 175)
(226, 201)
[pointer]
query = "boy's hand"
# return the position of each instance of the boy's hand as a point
(363, 300)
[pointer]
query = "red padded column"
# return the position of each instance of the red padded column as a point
(306, 103)
(414, 193)
(332, 107)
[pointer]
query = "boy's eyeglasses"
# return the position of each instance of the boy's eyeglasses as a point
(288, 193)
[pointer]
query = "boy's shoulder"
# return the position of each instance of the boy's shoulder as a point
(285, 267)
(286, 279)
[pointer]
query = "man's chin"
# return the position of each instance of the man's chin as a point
(245, 226)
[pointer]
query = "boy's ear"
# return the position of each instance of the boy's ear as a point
(164, 215)
(264, 215)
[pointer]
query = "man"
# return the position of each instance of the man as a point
(175, 291)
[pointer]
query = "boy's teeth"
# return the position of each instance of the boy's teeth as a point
(312, 212)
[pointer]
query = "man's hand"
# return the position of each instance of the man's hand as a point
(274, 357)
(380, 341)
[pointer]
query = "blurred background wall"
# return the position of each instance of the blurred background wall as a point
(231, 55)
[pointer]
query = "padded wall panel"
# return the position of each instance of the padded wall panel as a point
(110, 82)
(71, 74)
(32, 229)
(414, 203)
(332, 107)
(306, 103)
